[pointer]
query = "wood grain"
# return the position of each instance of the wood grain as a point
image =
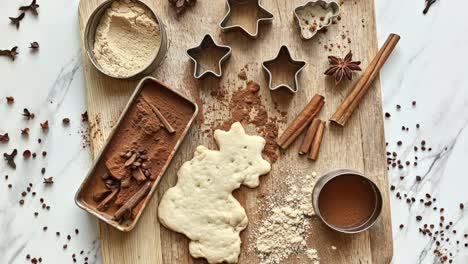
(359, 146)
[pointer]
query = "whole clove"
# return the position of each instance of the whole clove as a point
(28, 114)
(4, 138)
(31, 7)
(9, 99)
(25, 131)
(45, 125)
(16, 20)
(49, 180)
(10, 158)
(12, 54)
(132, 202)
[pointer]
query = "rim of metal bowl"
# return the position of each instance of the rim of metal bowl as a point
(90, 32)
(325, 178)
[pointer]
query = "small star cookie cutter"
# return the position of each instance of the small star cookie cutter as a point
(314, 16)
(206, 43)
(298, 64)
(264, 17)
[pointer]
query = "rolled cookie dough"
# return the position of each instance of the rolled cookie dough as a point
(201, 204)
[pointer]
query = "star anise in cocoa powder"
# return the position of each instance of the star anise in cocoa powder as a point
(10, 53)
(32, 7)
(28, 114)
(16, 20)
(4, 138)
(181, 5)
(341, 68)
(10, 158)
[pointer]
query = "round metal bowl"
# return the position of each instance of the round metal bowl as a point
(90, 32)
(322, 181)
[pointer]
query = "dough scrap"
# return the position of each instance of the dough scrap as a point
(201, 204)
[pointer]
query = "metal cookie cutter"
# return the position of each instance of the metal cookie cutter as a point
(263, 17)
(208, 43)
(297, 64)
(314, 16)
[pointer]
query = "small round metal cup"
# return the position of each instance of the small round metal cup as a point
(90, 32)
(322, 181)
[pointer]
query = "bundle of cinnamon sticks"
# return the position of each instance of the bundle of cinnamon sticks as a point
(315, 131)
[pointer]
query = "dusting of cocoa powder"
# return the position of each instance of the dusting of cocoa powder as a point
(246, 107)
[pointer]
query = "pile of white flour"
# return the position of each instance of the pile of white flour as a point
(284, 230)
(127, 38)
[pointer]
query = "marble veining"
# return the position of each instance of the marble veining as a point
(428, 67)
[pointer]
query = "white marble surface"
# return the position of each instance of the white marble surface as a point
(428, 66)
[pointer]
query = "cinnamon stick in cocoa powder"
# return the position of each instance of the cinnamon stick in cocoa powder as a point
(307, 142)
(301, 121)
(351, 102)
(104, 205)
(133, 201)
(163, 120)
(317, 141)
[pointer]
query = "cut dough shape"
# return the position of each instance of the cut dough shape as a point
(201, 204)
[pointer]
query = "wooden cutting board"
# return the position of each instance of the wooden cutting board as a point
(360, 145)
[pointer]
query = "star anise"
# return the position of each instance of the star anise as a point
(342, 67)
(181, 5)
(33, 7)
(10, 53)
(10, 158)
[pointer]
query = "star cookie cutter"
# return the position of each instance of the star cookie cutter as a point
(314, 16)
(264, 17)
(299, 64)
(206, 43)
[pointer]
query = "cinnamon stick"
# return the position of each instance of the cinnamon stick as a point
(163, 120)
(317, 141)
(104, 205)
(133, 201)
(351, 102)
(301, 121)
(307, 143)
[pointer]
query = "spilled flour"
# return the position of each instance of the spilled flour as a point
(284, 231)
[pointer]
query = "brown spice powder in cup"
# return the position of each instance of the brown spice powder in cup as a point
(347, 201)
